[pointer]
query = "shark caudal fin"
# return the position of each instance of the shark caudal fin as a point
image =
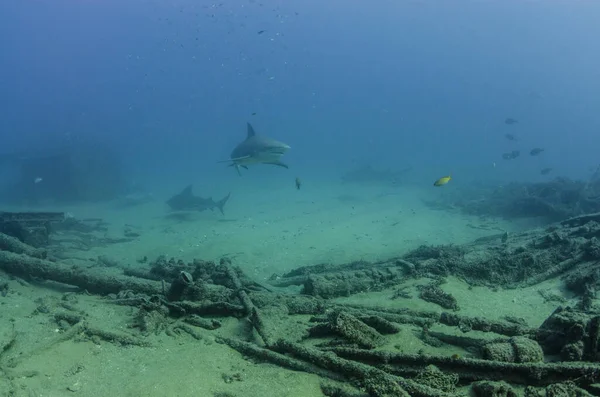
(221, 203)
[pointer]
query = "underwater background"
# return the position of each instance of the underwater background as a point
(443, 153)
(170, 85)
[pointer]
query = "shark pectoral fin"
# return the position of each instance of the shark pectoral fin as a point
(279, 163)
(237, 167)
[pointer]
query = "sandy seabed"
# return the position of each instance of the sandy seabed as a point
(264, 236)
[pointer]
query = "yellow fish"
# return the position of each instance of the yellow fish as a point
(442, 181)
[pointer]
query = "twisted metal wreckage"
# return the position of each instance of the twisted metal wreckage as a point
(349, 346)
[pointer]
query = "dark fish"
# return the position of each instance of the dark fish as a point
(260, 31)
(545, 171)
(254, 113)
(510, 137)
(298, 183)
(536, 151)
(510, 121)
(512, 155)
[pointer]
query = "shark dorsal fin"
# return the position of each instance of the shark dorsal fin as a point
(187, 191)
(251, 132)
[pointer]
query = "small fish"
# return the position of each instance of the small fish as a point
(510, 121)
(545, 171)
(260, 32)
(298, 183)
(254, 113)
(442, 181)
(510, 137)
(512, 155)
(536, 151)
(38, 180)
(504, 237)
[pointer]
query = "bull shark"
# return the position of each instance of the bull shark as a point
(257, 149)
(186, 201)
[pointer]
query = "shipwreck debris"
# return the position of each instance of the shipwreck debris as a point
(553, 200)
(31, 228)
(192, 300)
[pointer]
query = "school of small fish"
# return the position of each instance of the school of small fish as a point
(536, 151)
(512, 155)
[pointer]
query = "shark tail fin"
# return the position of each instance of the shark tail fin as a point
(221, 203)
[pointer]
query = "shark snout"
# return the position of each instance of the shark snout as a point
(280, 148)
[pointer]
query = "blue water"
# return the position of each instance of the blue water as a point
(170, 85)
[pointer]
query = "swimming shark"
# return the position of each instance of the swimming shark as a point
(186, 201)
(257, 149)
